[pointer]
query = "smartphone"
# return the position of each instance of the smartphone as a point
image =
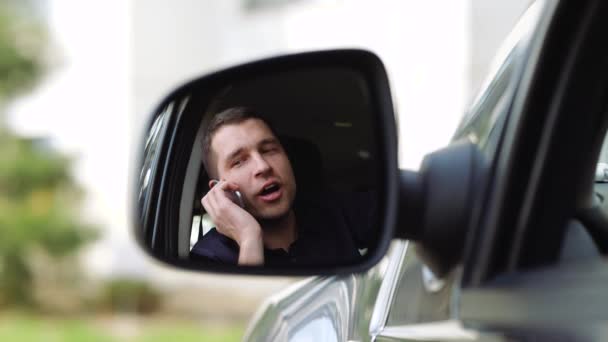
(234, 196)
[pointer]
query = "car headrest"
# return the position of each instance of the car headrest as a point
(307, 165)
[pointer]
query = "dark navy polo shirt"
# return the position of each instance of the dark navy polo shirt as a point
(331, 230)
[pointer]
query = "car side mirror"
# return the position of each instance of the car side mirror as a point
(286, 166)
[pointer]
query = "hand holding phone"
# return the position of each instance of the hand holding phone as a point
(237, 224)
(234, 196)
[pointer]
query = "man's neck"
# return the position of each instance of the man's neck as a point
(280, 233)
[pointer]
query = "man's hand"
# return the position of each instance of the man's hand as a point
(235, 223)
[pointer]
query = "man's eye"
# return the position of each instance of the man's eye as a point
(236, 163)
(270, 150)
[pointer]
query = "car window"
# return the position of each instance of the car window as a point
(491, 106)
(602, 164)
(151, 155)
(483, 121)
(601, 178)
(150, 158)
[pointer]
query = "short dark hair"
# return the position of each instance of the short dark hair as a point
(233, 115)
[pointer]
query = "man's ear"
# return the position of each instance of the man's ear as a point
(208, 165)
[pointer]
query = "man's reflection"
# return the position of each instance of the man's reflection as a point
(242, 153)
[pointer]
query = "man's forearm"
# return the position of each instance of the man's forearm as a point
(251, 252)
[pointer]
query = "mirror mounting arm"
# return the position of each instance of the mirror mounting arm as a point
(411, 205)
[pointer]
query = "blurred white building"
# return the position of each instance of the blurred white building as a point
(424, 45)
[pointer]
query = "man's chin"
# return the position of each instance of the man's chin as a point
(272, 216)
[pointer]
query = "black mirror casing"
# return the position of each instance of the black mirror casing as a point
(164, 172)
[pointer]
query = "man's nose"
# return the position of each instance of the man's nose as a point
(261, 165)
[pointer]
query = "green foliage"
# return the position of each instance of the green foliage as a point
(37, 200)
(192, 332)
(37, 194)
(30, 328)
(25, 167)
(131, 296)
(20, 51)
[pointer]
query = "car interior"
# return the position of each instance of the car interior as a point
(330, 146)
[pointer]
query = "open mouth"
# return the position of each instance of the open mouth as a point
(271, 193)
(272, 188)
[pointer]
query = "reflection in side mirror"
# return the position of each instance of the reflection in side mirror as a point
(283, 166)
(601, 173)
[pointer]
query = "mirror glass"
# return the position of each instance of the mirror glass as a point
(273, 170)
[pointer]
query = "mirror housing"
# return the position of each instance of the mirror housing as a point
(440, 203)
(338, 84)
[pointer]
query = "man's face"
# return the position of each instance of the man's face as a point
(248, 154)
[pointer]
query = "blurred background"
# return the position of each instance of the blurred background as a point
(78, 80)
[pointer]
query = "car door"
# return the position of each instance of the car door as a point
(534, 267)
(420, 305)
(533, 262)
